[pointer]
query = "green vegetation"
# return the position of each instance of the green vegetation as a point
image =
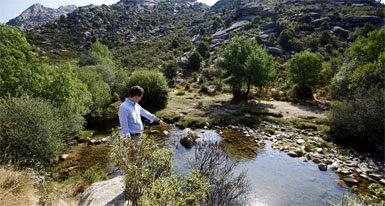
(155, 89)
(304, 69)
(359, 86)
(31, 131)
(150, 179)
(194, 61)
(245, 64)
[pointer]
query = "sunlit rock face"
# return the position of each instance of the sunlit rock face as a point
(37, 15)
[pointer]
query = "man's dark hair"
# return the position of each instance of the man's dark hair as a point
(135, 90)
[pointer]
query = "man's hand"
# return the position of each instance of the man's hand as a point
(162, 124)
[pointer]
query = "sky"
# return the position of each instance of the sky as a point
(10, 9)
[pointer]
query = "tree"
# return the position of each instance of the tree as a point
(31, 131)
(194, 61)
(20, 72)
(204, 49)
(97, 55)
(304, 69)
(175, 42)
(170, 70)
(202, 31)
(245, 64)
(324, 38)
(285, 39)
(155, 89)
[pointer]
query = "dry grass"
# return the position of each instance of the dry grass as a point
(16, 188)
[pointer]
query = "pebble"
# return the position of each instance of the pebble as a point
(322, 167)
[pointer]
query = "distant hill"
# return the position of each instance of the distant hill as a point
(37, 15)
(140, 32)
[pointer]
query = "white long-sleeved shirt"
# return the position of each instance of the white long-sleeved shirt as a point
(129, 117)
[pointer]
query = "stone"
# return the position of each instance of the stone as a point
(106, 193)
(345, 172)
(165, 133)
(322, 167)
(300, 141)
(350, 181)
(274, 51)
(361, 20)
(340, 31)
(382, 181)
(292, 154)
(188, 138)
(376, 177)
(318, 22)
(316, 160)
(269, 26)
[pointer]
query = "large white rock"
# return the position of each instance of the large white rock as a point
(106, 193)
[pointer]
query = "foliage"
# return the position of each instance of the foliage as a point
(305, 19)
(31, 131)
(304, 69)
(20, 71)
(203, 48)
(16, 187)
(176, 42)
(97, 55)
(246, 64)
(357, 118)
(99, 90)
(194, 61)
(170, 70)
(217, 167)
(155, 89)
(286, 39)
(150, 179)
(324, 38)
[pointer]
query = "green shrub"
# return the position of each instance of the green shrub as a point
(100, 91)
(155, 89)
(304, 69)
(97, 55)
(31, 131)
(170, 70)
(194, 61)
(181, 92)
(204, 49)
(150, 179)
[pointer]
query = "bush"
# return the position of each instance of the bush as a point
(216, 166)
(204, 49)
(31, 131)
(194, 61)
(150, 179)
(286, 38)
(304, 69)
(170, 70)
(155, 89)
(97, 55)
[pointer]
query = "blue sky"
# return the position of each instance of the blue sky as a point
(10, 9)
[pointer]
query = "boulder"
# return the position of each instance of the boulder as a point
(292, 154)
(361, 20)
(249, 9)
(350, 181)
(274, 51)
(188, 138)
(222, 34)
(109, 192)
(270, 25)
(316, 9)
(322, 167)
(318, 22)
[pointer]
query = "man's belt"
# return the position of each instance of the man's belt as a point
(134, 134)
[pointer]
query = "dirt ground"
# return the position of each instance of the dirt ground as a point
(292, 110)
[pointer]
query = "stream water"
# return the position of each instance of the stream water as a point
(275, 178)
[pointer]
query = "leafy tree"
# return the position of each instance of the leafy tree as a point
(325, 25)
(155, 89)
(20, 71)
(256, 20)
(246, 64)
(204, 49)
(305, 19)
(228, 22)
(285, 39)
(202, 31)
(170, 70)
(97, 55)
(194, 61)
(324, 38)
(100, 91)
(304, 69)
(31, 131)
(175, 42)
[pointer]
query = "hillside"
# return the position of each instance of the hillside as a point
(145, 28)
(37, 15)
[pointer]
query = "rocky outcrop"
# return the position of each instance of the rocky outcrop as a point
(222, 34)
(361, 20)
(106, 193)
(274, 51)
(340, 31)
(252, 9)
(37, 15)
(318, 22)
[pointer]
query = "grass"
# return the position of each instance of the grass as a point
(16, 187)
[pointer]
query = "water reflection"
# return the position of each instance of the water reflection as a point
(276, 179)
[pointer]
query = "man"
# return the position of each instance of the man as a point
(130, 112)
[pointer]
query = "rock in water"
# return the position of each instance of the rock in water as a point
(109, 192)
